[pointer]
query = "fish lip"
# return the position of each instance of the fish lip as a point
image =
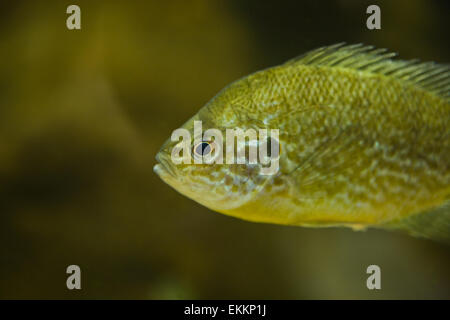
(164, 165)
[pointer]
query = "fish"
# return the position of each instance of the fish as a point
(364, 142)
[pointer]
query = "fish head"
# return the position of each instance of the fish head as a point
(218, 186)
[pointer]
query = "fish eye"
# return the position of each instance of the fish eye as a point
(202, 149)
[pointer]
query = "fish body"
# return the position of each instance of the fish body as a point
(364, 142)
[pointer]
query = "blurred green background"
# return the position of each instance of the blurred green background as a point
(83, 113)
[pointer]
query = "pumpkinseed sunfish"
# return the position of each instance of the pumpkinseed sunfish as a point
(364, 141)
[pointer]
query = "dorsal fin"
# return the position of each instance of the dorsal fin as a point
(430, 76)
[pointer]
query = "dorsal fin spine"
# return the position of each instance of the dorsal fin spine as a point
(426, 75)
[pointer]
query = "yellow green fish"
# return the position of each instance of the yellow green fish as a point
(364, 142)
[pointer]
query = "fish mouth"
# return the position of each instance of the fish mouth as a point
(163, 166)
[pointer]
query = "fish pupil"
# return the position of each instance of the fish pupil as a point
(203, 148)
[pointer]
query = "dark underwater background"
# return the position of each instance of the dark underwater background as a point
(83, 113)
